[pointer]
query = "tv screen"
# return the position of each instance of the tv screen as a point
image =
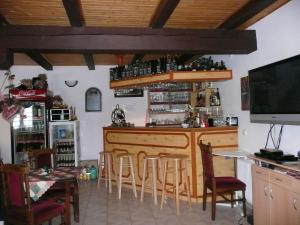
(275, 92)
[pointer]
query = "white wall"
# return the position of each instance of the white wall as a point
(278, 37)
(91, 122)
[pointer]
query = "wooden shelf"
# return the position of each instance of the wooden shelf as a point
(168, 90)
(166, 112)
(179, 76)
(170, 103)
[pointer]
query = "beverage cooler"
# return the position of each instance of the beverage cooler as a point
(29, 126)
(64, 137)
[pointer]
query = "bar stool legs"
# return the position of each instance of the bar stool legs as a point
(153, 160)
(105, 160)
(120, 177)
(176, 159)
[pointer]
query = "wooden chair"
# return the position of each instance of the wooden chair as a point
(218, 186)
(18, 207)
(39, 158)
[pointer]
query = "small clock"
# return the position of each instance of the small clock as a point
(71, 83)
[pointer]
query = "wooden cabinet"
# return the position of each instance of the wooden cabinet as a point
(276, 197)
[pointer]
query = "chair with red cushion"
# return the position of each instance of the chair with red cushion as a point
(40, 158)
(219, 186)
(18, 206)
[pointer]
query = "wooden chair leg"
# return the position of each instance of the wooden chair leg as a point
(132, 176)
(76, 202)
(177, 187)
(187, 184)
(106, 170)
(165, 165)
(204, 196)
(99, 170)
(244, 204)
(154, 178)
(143, 179)
(120, 177)
(213, 205)
(231, 200)
(109, 172)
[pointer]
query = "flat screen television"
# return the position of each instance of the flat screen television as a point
(275, 92)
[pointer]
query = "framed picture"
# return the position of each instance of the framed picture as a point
(93, 100)
(245, 94)
(130, 92)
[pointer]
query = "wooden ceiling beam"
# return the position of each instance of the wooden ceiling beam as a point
(248, 11)
(162, 13)
(39, 59)
(74, 12)
(151, 41)
(89, 61)
(8, 60)
(3, 21)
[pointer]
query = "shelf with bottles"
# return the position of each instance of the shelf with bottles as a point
(66, 147)
(65, 160)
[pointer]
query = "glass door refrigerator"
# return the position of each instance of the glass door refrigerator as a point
(28, 130)
(64, 137)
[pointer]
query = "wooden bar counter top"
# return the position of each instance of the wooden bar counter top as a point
(141, 141)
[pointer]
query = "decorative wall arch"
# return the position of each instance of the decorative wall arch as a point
(93, 100)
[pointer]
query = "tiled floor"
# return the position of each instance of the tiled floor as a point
(97, 207)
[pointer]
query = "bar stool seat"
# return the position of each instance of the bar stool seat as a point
(105, 161)
(177, 160)
(121, 157)
(154, 160)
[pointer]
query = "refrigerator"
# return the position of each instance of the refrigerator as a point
(28, 129)
(64, 137)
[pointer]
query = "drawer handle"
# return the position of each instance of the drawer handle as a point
(266, 191)
(278, 179)
(271, 192)
(294, 204)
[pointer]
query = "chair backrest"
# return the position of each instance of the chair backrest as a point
(207, 160)
(39, 158)
(15, 186)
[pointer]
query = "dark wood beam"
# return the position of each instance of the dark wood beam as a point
(89, 61)
(39, 59)
(3, 21)
(6, 58)
(248, 11)
(163, 12)
(74, 11)
(134, 41)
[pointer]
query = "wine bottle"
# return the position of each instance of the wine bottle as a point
(217, 100)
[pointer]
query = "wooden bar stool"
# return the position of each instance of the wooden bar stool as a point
(105, 161)
(121, 158)
(177, 160)
(155, 160)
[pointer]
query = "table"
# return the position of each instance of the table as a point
(40, 182)
(232, 154)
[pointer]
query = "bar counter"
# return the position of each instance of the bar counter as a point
(141, 141)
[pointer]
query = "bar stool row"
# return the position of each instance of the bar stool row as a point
(178, 169)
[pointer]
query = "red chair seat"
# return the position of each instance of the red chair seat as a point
(43, 210)
(229, 184)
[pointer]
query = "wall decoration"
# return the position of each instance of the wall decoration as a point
(130, 92)
(245, 94)
(71, 83)
(93, 100)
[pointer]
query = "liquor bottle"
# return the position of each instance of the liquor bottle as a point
(212, 98)
(218, 99)
(168, 64)
(158, 66)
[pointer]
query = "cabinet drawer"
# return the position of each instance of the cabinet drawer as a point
(280, 179)
(260, 172)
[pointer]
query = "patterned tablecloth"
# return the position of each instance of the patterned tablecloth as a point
(40, 182)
